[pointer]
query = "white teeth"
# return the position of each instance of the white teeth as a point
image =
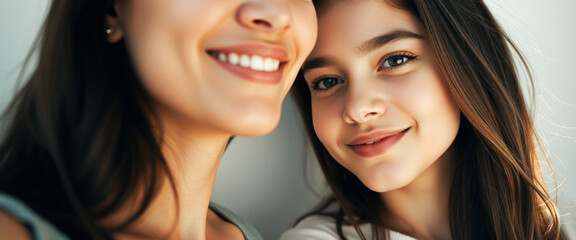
(244, 61)
(269, 65)
(254, 62)
(233, 59)
(275, 64)
(368, 143)
(222, 57)
(257, 63)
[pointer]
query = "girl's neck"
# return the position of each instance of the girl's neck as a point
(421, 209)
(193, 160)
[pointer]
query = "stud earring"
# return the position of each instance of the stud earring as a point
(108, 30)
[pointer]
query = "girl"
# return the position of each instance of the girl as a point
(419, 124)
(120, 129)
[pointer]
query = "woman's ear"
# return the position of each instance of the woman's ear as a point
(113, 30)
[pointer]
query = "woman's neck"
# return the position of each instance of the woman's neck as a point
(420, 209)
(193, 161)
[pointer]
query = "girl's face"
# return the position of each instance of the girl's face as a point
(379, 104)
(219, 66)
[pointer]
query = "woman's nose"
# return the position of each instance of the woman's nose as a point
(265, 15)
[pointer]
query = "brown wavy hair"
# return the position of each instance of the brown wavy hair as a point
(78, 139)
(498, 191)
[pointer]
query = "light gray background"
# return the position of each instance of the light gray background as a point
(271, 180)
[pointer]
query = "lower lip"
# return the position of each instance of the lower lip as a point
(376, 149)
(261, 77)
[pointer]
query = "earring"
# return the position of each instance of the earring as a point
(108, 30)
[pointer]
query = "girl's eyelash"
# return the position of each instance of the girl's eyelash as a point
(403, 56)
(316, 82)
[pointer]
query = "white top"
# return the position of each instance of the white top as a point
(318, 227)
(324, 227)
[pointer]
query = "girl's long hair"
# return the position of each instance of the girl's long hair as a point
(79, 140)
(498, 191)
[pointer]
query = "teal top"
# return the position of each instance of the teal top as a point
(38, 228)
(41, 229)
(249, 231)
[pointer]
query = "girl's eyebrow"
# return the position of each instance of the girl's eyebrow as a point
(367, 46)
(385, 38)
(318, 62)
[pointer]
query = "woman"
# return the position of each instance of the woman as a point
(119, 132)
(418, 121)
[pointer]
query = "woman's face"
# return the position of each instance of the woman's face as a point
(379, 104)
(217, 66)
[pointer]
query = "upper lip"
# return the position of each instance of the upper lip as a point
(261, 49)
(375, 136)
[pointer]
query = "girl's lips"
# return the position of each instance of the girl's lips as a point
(376, 143)
(260, 63)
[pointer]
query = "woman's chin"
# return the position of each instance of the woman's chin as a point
(254, 126)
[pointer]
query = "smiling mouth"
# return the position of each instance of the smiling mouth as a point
(378, 140)
(253, 62)
(374, 147)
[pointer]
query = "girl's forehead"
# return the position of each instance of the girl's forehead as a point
(346, 25)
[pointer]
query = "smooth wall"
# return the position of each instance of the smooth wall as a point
(271, 180)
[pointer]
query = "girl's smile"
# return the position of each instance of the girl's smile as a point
(376, 143)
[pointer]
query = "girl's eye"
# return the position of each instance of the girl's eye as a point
(396, 60)
(326, 83)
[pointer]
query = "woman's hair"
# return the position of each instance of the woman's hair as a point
(498, 191)
(79, 139)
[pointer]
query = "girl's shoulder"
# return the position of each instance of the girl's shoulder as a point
(21, 220)
(324, 227)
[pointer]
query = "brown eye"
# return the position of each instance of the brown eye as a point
(326, 83)
(395, 60)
